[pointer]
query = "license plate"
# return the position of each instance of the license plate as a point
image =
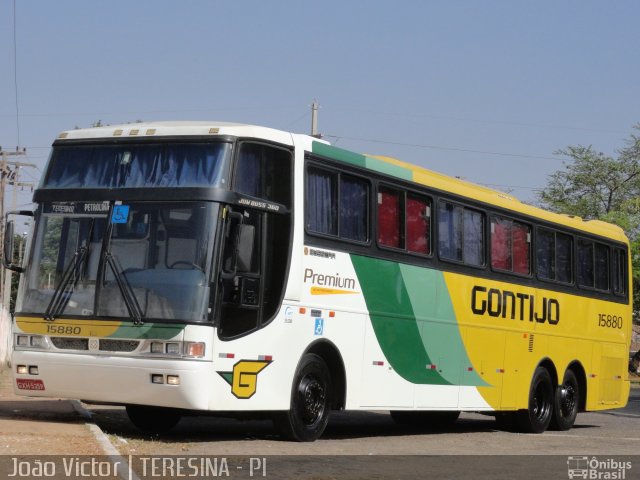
(28, 384)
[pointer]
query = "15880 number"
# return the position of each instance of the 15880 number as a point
(609, 321)
(63, 329)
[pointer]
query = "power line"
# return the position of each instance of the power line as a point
(15, 71)
(149, 112)
(9, 175)
(439, 147)
(485, 120)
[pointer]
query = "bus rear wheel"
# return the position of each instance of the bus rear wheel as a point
(153, 419)
(310, 402)
(536, 418)
(566, 402)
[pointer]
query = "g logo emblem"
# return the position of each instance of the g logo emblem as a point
(244, 377)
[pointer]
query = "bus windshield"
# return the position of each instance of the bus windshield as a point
(146, 260)
(137, 165)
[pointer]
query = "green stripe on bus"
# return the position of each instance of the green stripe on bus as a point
(414, 322)
(389, 169)
(160, 331)
(439, 329)
(339, 154)
(394, 321)
(363, 161)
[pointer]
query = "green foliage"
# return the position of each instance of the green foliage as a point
(593, 185)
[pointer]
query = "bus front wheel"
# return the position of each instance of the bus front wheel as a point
(536, 418)
(310, 402)
(153, 419)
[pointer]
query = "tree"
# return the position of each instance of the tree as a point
(593, 185)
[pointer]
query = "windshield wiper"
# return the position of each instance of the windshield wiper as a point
(128, 295)
(62, 293)
(71, 276)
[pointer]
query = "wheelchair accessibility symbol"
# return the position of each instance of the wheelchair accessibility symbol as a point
(319, 328)
(120, 214)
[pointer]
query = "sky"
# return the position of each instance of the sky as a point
(485, 90)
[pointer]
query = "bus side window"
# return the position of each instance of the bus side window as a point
(585, 263)
(390, 218)
(593, 265)
(545, 254)
(510, 246)
(264, 171)
(460, 234)
(418, 218)
(322, 201)
(619, 276)
(564, 258)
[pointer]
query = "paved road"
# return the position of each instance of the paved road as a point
(370, 445)
(366, 433)
(633, 406)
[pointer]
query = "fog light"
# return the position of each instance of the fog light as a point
(193, 349)
(173, 380)
(156, 378)
(22, 369)
(33, 370)
(157, 347)
(22, 341)
(173, 348)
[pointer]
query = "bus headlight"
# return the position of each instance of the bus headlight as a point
(176, 349)
(31, 341)
(38, 341)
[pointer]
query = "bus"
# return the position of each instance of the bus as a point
(191, 267)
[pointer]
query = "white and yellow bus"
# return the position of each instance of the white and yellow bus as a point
(178, 268)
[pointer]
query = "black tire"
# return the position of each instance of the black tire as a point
(310, 402)
(153, 419)
(566, 402)
(435, 420)
(537, 417)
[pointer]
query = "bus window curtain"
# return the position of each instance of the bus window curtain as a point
(521, 249)
(501, 244)
(124, 166)
(417, 226)
(389, 218)
(353, 209)
(321, 202)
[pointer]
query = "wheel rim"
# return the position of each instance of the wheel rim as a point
(568, 396)
(312, 397)
(541, 402)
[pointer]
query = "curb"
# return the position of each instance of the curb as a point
(103, 441)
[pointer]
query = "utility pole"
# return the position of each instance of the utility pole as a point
(314, 119)
(9, 175)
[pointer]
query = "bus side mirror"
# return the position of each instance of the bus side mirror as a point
(8, 247)
(7, 258)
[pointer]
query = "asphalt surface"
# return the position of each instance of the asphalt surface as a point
(633, 406)
(615, 432)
